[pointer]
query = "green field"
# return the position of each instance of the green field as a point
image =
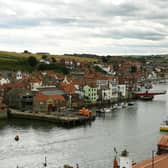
(18, 61)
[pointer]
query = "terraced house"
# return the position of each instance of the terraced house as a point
(90, 93)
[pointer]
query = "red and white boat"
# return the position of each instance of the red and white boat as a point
(148, 94)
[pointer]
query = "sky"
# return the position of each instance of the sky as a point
(104, 27)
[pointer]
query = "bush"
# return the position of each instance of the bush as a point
(54, 66)
(32, 61)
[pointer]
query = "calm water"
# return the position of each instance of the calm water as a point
(135, 128)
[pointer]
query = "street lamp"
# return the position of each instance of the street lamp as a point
(153, 157)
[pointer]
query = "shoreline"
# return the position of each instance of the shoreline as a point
(67, 121)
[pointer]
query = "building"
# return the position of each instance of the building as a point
(19, 75)
(122, 90)
(35, 84)
(4, 81)
(19, 98)
(90, 93)
(49, 100)
(71, 93)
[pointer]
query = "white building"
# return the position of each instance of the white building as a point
(4, 81)
(19, 75)
(35, 84)
(122, 90)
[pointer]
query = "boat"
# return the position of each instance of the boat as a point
(107, 110)
(104, 110)
(131, 103)
(148, 94)
(85, 112)
(146, 97)
(119, 106)
(125, 105)
(114, 107)
(164, 126)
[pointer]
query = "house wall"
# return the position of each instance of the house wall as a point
(40, 106)
(4, 81)
(122, 89)
(35, 85)
(91, 93)
(107, 94)
(43, 105)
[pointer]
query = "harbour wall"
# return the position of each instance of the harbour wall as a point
(65, 121)
(3, 114)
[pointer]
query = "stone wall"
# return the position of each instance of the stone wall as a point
(3, 114)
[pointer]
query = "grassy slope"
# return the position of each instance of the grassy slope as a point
(17, 61)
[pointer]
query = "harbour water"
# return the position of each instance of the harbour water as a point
(134, 128)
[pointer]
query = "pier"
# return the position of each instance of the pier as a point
(70, 120)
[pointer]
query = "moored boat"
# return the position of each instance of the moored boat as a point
(148, 94)
(164, 126)
(131, 103)
(146, 97)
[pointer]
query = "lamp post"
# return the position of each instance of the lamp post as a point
(153, 157)
(70, 100)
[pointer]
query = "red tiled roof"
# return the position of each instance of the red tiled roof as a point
(89, 76)
(36, 80)
(58, 97)
(16, 85)
(68, 88)
(42, 97)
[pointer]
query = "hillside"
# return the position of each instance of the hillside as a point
(18, 61)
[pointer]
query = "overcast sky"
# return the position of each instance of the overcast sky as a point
(84, 26)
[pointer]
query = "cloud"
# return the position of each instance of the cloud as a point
(100, 26)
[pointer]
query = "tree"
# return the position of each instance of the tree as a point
(133, 68)
(32, 61)
(44, 57)
(53, 59)
(104, 59)
(53, 66)
(26, 52)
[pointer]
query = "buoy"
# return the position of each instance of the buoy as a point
(45, 163)
(17, 138)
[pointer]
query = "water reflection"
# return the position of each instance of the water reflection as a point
(135, 128)
(27, 124)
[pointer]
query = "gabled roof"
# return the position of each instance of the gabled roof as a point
(42, 97)
(68, 88)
